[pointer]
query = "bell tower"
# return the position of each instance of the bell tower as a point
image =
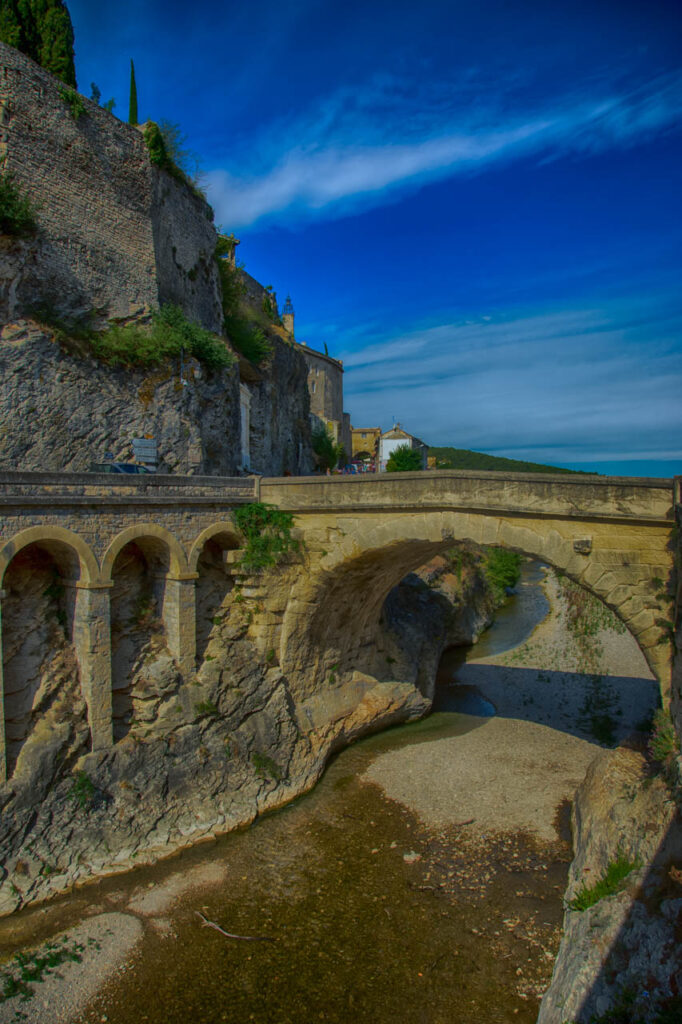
(288, 316)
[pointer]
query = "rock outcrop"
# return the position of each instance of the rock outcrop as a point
(61, 411)
(623, 951)
(431, 610)
(199, 756)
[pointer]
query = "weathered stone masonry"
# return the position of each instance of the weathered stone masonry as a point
(117, 235)
(361, 537)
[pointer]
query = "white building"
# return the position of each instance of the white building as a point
(395, 438)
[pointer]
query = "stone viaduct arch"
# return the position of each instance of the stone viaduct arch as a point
(603, 538)
(51, 538)
(177, 559)
(361, 537)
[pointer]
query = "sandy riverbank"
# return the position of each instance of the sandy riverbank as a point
(515, 770)
(96, 950)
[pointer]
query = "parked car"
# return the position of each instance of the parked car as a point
(118, 467)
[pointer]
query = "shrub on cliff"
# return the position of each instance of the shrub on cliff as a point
(267, 534)
(165, 147)
(17, 216)
(247, 337)
(169, 336)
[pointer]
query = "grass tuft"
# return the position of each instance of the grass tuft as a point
(612, 882)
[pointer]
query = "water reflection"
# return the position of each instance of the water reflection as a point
(514, 623)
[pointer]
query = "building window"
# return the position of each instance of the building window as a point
(313, 387)
(363, 435)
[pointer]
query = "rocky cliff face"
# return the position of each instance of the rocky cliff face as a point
(431, 610)
(280, 437)
(193, 758)
(621, 959)
(59, 411)
(624, 951)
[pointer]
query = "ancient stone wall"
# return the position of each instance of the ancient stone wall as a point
(280, 423)
(325, 383)
(116, 234)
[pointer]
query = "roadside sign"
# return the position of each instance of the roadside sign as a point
(144, 449)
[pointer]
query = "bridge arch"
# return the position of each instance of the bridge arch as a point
(223, 533)
(45, 573)
(60, 544)
(141, 532)
(214, 586)
(337, 608)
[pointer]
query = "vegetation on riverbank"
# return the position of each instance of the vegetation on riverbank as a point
(612, 882)
(502, 570)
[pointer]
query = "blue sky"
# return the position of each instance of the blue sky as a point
(475, 205)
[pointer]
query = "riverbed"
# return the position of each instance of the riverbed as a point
(420, 881)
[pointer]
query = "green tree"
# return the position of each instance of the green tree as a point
(132, 111)
(327, 452)
(42, 30)
(502, 569)
(404, 459)
(55, 39)
(16, 26)
(95, 92)
(175, 141)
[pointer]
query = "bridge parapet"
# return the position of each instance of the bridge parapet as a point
(549, 495)
(46, 487)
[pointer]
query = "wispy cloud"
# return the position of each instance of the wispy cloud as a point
(568, 386)
(364, 146)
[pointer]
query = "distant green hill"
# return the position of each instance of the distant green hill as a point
(462, 458)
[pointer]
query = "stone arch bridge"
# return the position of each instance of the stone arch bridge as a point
(319, 612)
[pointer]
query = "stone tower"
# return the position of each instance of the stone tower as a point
(288, 316)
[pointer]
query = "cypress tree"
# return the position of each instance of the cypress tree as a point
(132, 114)
(55, 33)
(17, 26)
(42, 30)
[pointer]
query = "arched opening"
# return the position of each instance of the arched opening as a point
(214, 587)
(340, 627)
(142, 668)
(555, 655)
(43, 702)
(340, 634)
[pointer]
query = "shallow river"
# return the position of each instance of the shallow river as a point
(372, 917)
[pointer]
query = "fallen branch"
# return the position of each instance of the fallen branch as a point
(438, 960)
(228, 935)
